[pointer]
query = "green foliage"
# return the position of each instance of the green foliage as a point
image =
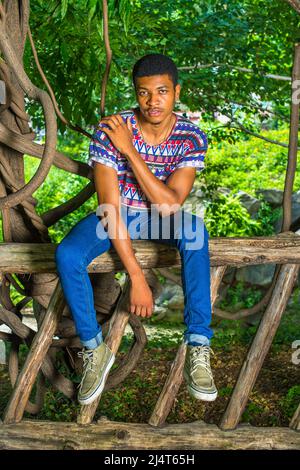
(57, 407)
(226, 217)
(225, 391)
(289, 328)
(248, 165)
(291, 401)
(267, 216)
(240, 296)
(252, 410)
(230, 333)
(258, 35)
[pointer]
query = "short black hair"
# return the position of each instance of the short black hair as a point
(155, 64)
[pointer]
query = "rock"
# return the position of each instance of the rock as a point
(169, 291)
(176, 302)
(272, 196)
(249, 202)
(258, 275)
(199, 193)
(229, 274)
(295, 206)
(160, 312)
(295, 212)
(223, 190)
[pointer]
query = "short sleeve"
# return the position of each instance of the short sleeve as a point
(195, 150)
(101, 150)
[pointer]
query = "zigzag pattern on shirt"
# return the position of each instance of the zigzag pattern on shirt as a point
(131, 192)
(161, 150)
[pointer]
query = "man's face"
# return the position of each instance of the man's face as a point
(156, 97)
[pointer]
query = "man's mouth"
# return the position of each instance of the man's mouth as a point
(154, 112)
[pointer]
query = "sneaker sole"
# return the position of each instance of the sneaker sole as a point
(201, 395)
(99, 389)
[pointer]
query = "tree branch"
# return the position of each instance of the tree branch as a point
(50, 119)
(295, 4)
(21, 144)
(234, 67)
(254, 134)
(108, 57)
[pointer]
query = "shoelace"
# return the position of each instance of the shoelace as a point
(88, 363)
(200, 357)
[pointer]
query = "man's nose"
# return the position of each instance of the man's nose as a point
(152, 99)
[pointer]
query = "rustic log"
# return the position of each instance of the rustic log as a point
(40, 345)
(111, 435)
(260, 346)
(113, 339)
(295, 421)
(175, 377)
(39, 257)
(216, 274)
(13, 369)
(130, 361)
(170, 389)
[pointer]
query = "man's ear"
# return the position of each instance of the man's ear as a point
(177, 91)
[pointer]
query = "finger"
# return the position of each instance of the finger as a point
(106, 130)
(115, 120)
(109, 122)
(120, 119)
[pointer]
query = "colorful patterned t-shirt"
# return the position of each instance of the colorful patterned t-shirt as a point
(185, 146)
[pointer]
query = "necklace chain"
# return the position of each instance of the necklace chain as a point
(167, 133)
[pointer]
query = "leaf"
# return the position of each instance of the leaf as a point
(64, 8)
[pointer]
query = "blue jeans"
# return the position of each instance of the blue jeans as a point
(88, 239)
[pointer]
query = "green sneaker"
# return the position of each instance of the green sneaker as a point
(96, 365)
(197, 373)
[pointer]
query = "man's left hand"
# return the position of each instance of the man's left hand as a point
(119, 132)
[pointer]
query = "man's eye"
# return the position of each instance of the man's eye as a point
(163, 91)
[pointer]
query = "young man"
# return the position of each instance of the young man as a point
(145, 160)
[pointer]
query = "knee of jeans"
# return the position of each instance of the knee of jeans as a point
(67, 257)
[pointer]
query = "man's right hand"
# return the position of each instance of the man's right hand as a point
(140, 297)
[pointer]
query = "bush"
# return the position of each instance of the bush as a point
(248, 165)
(226, 217)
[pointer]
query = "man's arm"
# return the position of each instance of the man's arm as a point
(172, 193)
(106, 183)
